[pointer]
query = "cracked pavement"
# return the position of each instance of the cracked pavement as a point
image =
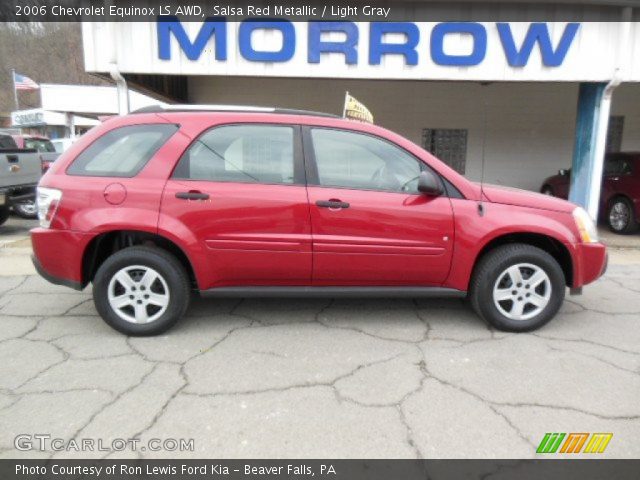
(291, 378)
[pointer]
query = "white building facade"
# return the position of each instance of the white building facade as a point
(519, 91)
(68, 111)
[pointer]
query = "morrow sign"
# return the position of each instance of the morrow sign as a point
(470, 51)
(517, 55)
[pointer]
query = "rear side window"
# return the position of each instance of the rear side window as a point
(617, 165)
(122, 152)
(241, 153)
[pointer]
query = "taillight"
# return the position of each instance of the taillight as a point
(48, 200)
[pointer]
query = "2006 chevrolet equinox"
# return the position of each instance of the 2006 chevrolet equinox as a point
(156, 204)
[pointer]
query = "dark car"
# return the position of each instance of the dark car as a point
(620, 196)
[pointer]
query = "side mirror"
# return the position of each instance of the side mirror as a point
(429, 184)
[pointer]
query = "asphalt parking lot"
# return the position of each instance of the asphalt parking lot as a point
(318, 378)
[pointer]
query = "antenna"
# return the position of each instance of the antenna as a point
(484, 141)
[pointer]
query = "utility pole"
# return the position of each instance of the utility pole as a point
(15, 92)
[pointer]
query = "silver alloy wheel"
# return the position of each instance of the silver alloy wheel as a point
(138, 294)
(27, 208)
(619, 215)
(522, 291)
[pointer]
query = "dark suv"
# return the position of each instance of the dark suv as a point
(154, 205)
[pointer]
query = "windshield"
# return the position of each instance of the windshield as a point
(39, 144)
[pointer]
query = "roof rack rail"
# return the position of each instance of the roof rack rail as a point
(229, 108)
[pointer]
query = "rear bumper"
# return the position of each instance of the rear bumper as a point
(57, 255)
(590, 263)
(53, 279)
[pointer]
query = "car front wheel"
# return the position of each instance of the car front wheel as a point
(517, 287)
(620, 216)
(141, 290)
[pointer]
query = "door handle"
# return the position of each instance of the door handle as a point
(192, 195)
(12, 158)
(333, 203)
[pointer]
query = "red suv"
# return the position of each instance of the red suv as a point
(165, 201)
(620, 195)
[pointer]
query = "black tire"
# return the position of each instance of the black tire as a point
(492, 267)
(619, 207)
(171, 271)
(547, 190)
(4, 214)
(26, 209)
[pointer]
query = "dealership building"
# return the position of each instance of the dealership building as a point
(542, 88)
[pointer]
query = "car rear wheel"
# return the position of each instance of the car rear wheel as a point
(517, 288)
(620, 216)
(141, 291)
(26, 209)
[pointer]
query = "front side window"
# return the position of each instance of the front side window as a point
(122, 152)
(359, 161)
(241, 153)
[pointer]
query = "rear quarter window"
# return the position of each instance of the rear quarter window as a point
(122, 152)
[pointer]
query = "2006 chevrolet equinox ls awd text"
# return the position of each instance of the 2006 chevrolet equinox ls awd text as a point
(152, 206)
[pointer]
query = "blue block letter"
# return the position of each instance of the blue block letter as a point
(476, 30)
(348, 47)
(215, 26)
(538, 32)
(253, 55)
(408, 48)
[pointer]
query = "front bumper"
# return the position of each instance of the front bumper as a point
(590, 263)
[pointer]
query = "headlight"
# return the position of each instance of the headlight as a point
(586, 226)
(47, 200)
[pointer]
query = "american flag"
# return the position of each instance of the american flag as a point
(21, 82)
